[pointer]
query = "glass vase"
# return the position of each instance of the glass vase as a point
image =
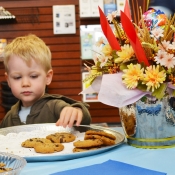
(149, 122)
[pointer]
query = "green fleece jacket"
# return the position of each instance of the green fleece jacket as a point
(46, 110)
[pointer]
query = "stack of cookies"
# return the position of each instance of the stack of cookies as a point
(94, 140)
(54, 142)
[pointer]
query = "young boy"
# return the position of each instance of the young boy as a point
(28, 69)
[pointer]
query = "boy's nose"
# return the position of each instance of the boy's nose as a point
(25, 82)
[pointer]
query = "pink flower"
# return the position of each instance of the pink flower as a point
(164, 45)
(168, 61)
(156, 33)
(111, 16)
(160, 56)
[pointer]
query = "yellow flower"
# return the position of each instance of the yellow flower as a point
(152, 70)
(107, 50)
(125, 54)
(153, 77)
(132, 75)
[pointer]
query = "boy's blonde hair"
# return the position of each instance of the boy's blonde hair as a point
(27, 48)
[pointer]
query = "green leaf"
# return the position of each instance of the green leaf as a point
(173, 93)
(90, 78)
(114, 53)
(141, 87)
(160, 92)
(123, 66)
(98, 64)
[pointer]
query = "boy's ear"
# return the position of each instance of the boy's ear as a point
(49, 77)
(6, 77)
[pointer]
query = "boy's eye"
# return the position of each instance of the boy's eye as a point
(16, 78)
(34, 76)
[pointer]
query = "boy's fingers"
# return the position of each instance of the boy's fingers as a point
(69, 116)
(73, 117)
(79, 118)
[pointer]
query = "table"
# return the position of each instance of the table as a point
(162, 160)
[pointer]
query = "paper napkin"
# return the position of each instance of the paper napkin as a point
(110, 167)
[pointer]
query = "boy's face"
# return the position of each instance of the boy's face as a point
(27, 82)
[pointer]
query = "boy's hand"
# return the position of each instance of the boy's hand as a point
(70, 115)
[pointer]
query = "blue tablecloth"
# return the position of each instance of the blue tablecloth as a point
(161, 160)
(111, 167)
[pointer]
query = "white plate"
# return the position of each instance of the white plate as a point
(12, 137)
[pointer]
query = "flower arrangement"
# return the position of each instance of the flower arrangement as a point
(135, 60)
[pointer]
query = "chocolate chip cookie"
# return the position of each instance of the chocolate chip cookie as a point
(61, 137)
(101, 133)
(48, 147)
(30, 143)
(88, 143)
(106, 141)
(84, 149)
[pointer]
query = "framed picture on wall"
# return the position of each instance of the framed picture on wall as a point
(92, 97)
(64, 19)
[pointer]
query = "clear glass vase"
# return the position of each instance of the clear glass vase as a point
(149, 123)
